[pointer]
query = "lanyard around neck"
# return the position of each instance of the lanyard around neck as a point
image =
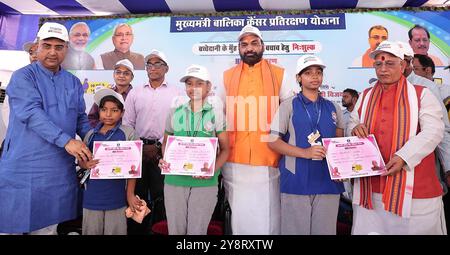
(197, 126)
(318, 107)
(106, 139)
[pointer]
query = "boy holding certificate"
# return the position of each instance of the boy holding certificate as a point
(309, 198)
(190, 200)
(105, 200)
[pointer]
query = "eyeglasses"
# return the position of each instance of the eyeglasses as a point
(156, 65)
(388, 64)
(377, 37)
(125, 73)
(123, 35)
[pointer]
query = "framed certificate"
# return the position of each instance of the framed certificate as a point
(118, 160)
(352, 157)
(195, 156)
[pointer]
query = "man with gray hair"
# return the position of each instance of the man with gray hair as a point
(406, 120)
(122, 39)
(77, 58)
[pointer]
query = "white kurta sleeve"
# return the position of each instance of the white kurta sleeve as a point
(431, 131)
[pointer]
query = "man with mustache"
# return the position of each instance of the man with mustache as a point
(38, 184)
(76, 57)
(377, 34)
(122, 39)
(419, 39)
(251, 177)
(406, 120)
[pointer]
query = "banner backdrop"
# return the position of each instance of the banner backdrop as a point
(338, 39)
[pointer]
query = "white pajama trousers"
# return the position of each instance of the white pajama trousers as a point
(253, 193)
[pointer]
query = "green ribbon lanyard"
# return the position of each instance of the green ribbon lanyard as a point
(200, 120)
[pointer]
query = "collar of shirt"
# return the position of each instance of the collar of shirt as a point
(125, 93)
(121, 54)
(306, 100)
(46, 71)
(163, 84)
(205, 107)
(257, 65)
(100, 125)
(97, 132)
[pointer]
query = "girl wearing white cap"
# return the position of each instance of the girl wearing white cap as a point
(190, 200)
(105, 200)
(309, 198)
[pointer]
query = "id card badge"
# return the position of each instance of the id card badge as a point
(312, 138)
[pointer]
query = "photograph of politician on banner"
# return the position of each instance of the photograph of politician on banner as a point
(343, 40)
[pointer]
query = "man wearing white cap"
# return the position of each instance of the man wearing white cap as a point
(146, 111)
(443, 149)
(251, 175)
(31, 48)
(406, 120)
(122, 39)
(77, 58)
(38, 187)
(123, 75)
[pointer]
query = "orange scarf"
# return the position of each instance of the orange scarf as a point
(394, 192)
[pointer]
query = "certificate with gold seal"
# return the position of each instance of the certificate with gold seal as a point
(194, 156)
(118, 159)
(352, 157)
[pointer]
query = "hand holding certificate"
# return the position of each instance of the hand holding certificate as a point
(351, 157)
(195, 156)
(118, 160)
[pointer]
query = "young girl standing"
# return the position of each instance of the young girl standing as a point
(190, 200)
(104, 201)
(309, 198)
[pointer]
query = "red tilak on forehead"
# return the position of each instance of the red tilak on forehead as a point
(383, 58)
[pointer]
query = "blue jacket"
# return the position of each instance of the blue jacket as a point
(38, 184)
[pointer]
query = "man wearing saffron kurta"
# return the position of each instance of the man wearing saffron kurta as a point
(406, 120)
(254, 88)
